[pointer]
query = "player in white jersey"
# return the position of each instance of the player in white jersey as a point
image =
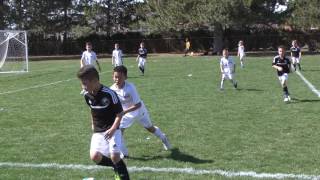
(133, 108)
(241, 53)
(117, 56)
(227, 68)
(89, 57)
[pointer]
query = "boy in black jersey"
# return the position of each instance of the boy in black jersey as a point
(295, 55)
(142, 57)
(282, 64)
(106, 112)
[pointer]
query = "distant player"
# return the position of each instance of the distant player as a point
(133, 108)
(106, 114)
(227, 68)
(282, 64)
(295, 55)
(241, 53)
(187, 47)
(142, 57)
(117, 56)
(89, 57)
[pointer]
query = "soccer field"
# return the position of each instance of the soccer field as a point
(249, 133)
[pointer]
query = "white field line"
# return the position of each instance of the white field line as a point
(311, 87)
(192, 171)
(40, 85)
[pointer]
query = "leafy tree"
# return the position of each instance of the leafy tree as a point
(216, 15)
(4, 9)
(305, 14)
(108, 15)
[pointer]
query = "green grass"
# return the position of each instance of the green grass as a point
(249, 129)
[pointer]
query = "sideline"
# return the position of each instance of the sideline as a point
(42, 85)
(164, 170)
(311, 86)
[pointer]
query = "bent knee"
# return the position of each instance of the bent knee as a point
(95, 156)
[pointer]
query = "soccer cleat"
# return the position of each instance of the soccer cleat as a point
(117, 177)
(235, 85)
(83, 92)
(286, 99)
(166, 144)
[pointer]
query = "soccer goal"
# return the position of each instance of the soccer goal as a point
(13, 51)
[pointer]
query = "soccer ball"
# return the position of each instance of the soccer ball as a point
(191, 54)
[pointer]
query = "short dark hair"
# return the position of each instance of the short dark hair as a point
(88, 72)
(121, 69)
(282, 47)
(88, 44)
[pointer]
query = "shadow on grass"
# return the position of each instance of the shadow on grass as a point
(250, 89)
(176, 155)
(296, 100)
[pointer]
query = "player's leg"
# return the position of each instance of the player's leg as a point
(140, 65)
(126, 122)
(119, 166)
(298, 63)
(294, 63)
(145, 121)
(283, 80)
(223, 76)
(98, 151)
(242, 61)
(232, 80)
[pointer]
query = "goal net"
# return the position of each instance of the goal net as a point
(13, 51)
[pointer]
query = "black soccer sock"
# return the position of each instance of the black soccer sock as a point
(121, 169)
(299, 66)
(285, 90)
(141, 69)
(295, 66)
(105, 161)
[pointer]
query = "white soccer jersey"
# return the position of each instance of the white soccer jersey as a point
(88, 57)
(128, 95)
(241, 51)
(117, 57)
(227, 64)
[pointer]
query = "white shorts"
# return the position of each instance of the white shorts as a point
(241, 56)
(106, 147)
(283, 78)
(227, 75)
(141, 62)
(141, 115)
(295, 60)
(118, 63)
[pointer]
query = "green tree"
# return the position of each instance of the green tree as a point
(215, 15)
(305, 14)
(108, 15)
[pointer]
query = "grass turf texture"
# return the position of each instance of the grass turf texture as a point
(249, 129)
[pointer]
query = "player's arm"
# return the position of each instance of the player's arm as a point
(132, 108)
(115, 125)
(277, 67)
(300, 54)
(81, 60)
(137, 57)
(221, 67)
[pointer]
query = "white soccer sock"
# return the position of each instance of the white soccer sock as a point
(159, 133)
(221, 84)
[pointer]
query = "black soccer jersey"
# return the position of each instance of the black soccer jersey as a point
(284, 63)
(142, 52)
(295, 51)
(105, 105)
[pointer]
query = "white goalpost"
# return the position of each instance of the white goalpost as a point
(13, 51)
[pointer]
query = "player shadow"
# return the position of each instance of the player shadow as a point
(249, 89)
(296, 100)
(176, 155)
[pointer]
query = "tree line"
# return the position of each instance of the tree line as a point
(81, 18)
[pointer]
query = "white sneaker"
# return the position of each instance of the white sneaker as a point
(286, 99)
(83, 92)
(289, 99)
(166, 144)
